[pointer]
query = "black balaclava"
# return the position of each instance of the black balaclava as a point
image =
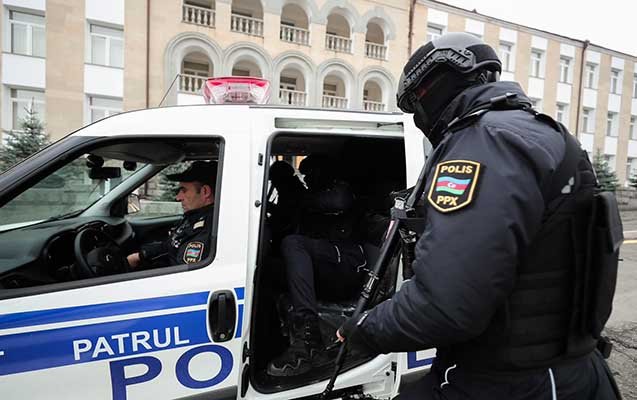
(435, 94)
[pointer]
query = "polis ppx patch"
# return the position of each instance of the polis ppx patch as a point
(193, 252)
(453, 185)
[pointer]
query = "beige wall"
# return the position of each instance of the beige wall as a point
(551, 77)
(601, 112)
(65, 41)
(624, 121)
(523, 59)
(574, 115)
(135, 54)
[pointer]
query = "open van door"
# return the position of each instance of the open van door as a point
(370, 149)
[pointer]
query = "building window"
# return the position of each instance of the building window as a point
(561, 114)
(536, 63)
(614, 81)
(632, 130)
(107, 46)
(591, 70)
(635, 86)
(27, 32)
(565, 69)
(611, 124)
(506, 56)
(23, 100)
(588, 118)
(611, 161)
(631, 167)
(433, 32)
(102, 107)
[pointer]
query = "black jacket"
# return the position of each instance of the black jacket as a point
(466, 258)
(187, 243)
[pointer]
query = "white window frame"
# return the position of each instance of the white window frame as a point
(565, 69)
(588, 118)
(29, 33)
(615, 81)
(632, 129)
(611, 124)
(635, 86)
(536, 104)
(561, 113)
(107, 47)
(591, 76)
(537, 61)
(440, 30)
(108, 111)
(507, 56)
(15, 101)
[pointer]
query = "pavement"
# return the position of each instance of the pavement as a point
(621, 328)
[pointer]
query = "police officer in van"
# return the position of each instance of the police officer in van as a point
(189, 241)
(498, 282)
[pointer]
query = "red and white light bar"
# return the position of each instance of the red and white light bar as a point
(236, 90)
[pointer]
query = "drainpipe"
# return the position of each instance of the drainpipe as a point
(147, 53)
(579, 90)
(412, 9)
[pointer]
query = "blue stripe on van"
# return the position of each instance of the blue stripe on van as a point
(38, 350)
(240, 292)
(40, 317)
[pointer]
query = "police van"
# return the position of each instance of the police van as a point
(76, 322)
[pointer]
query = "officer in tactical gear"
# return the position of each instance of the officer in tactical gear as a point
(188, 242)
(500, 283)
(323, 260)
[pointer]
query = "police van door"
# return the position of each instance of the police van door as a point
(360, 143)
(77, 321)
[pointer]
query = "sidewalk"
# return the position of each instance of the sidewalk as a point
(629, 220)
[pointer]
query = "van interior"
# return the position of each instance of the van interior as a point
(374, 167)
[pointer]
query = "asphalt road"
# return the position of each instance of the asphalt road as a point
(622, 325)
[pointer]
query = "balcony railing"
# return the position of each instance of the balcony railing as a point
(191, 83)
(247, 25)
(375, 50)
(198, 15)
(334, 102)
(369, 105)
(338, 43)
(295, 35)
(292, 97)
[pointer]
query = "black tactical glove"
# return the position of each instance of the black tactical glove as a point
(354, 337)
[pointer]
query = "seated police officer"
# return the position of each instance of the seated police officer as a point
(322, 260)
(497, 285)
(188, 242)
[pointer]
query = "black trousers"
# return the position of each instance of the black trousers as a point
(320, 268)
(587, 378)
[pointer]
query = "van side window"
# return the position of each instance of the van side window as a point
(113, 210)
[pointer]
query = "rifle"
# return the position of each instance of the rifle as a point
(399, 214)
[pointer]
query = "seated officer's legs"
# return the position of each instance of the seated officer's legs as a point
(312, 264)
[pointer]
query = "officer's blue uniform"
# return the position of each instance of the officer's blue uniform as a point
(485, 199)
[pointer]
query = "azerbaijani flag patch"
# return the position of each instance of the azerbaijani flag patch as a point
(193, 252)
(453, 185)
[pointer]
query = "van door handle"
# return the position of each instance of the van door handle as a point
(222, 315)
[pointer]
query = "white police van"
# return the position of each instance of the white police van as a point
(75, 323)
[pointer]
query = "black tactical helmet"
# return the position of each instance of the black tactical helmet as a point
(461, 53)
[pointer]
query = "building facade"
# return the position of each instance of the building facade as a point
(76, 61)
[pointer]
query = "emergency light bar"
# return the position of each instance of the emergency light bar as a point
(236, 90)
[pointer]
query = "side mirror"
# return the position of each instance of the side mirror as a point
(134, 204)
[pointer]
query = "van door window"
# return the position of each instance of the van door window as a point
(104, 214)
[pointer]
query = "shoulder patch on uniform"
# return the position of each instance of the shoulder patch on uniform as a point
(193, 252)
(453, 184)
(199, 224)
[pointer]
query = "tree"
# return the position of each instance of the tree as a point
(22, 143)
(605, 176)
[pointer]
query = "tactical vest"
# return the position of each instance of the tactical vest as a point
(565, 278)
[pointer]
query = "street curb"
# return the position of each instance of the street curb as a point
(629, 235)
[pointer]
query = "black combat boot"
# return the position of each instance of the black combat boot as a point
(305, 346)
